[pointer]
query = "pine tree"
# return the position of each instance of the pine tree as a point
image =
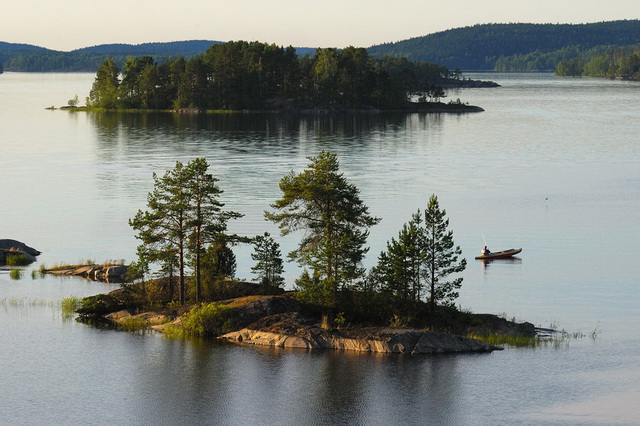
(269, 264)
(420, 260)
(442, 257)
(183, 215)
(321, 203)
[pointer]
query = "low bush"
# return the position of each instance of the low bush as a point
(102, 304)
(204, 320)
(18, 259)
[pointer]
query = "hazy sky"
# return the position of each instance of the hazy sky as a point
(71, 24)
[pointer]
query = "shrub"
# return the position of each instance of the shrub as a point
(18, 259)
(102, 304)
(204, 320)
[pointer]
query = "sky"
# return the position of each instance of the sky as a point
(71, 24)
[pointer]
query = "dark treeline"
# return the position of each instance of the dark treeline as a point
(28, 58)
(52, 61)
(500, 47)
(480, 47)
(257, 76)
(610, 62)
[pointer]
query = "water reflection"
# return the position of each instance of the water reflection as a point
(251, 385)
(512, 260)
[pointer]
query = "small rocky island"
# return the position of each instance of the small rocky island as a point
(281, 321)
(106, 273)
(20, 252)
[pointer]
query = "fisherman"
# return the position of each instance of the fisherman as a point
(485, 251)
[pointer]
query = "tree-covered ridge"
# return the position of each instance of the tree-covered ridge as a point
(611, 62)
(257, 76)
(479, 47)
(28, 58)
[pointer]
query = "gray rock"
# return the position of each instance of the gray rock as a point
(406, 342)
(7, 244)
(115, 271)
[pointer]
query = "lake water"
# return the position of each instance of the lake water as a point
(552, 166)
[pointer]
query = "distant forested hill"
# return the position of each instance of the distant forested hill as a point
(527, 46)
(27, 58)
(174, 48)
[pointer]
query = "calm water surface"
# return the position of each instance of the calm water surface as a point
(552, 165)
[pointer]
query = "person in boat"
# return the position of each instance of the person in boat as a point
(485, 251)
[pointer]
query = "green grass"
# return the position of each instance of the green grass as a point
(132, 324)
(18, 259)
(511, 341)
(15, 274)
(555, 339)
(68, 306)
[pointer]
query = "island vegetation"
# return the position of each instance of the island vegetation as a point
(185, 271)
(483, 47)
(255, 76)
(513, 46)
(28, 58)
(621, 63)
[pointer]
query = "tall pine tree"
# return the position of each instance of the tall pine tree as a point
(322, 204)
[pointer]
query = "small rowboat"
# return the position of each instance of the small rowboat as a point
(499, 254)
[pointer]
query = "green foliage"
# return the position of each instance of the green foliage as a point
(242, 75)
(69, 306)
(183, 215)
(604, 61)
(204, 320)
(73, 102)
(15, 274)
(104, 92)
(25, 58)
(399, 321)
(479, 47)
(269, 264)
(102, 304)
(419, 261)
(18, 259)
(321, 203)
(442, 257)
(218, 268)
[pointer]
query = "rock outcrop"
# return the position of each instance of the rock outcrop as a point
(8, 246)
(283, 322)
(107, 273)
(385, 340)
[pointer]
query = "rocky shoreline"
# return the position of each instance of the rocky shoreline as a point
(372, 339)
(105, 273)
(282, 322)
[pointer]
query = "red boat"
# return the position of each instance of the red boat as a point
(499, 254)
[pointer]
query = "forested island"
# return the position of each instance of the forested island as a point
(254, 76)
(183, 282)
